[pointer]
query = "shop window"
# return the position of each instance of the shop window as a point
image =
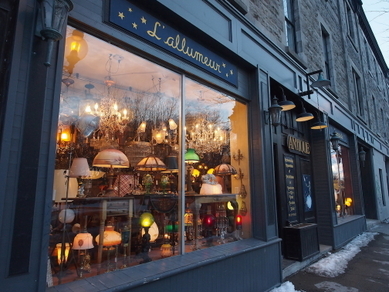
(165, 159)
(343, 193)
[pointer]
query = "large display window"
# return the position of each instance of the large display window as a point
(343, 193)
(149, 163)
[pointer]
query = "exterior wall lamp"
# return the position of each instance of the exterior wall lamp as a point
(54, 15)
(334, 139)
(362, 156)
(320, 82)
(274, 112)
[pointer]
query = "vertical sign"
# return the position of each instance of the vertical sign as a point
(290, 188)
(308, 203)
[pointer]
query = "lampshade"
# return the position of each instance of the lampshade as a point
(318, 125)
(146, 219)
(66, 216)
(60, 185)
(225, 169)
(79, 168)
(94, 174)
(153, 231)
(111, 237)
(111, 158)
(191, 156)
(321, 82)
(151, 163)
(171, 163)
(83, 241)
(304, 116)
(284, 103)
(75, 50)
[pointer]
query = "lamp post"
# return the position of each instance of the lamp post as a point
(54, 14)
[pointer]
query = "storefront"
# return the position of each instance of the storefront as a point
(148, 157)
(161, 121)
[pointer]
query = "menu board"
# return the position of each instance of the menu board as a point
(290, 188)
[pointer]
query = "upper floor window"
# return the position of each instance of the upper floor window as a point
(290, 28)
(358, 93)
(350, 22)
(367, 55)
(326, 48)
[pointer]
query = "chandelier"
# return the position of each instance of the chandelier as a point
(205, 136)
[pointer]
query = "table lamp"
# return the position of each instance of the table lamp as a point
(82, 242)
(110, 238)
(190, 157)
(223, 170)
(146, 220)
(79, 169)
(111, 158)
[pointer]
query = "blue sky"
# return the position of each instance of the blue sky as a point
(377, 13)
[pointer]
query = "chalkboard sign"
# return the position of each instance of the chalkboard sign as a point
(290, 188)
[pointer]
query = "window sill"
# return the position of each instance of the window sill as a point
(126, 279)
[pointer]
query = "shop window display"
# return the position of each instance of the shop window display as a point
(342, 181)
(129, 156)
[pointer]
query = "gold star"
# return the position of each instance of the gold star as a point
(134, 25)
(130, 9)
(227, 75)
(121, 15)
(231, 72)
(144, 20)
(224, 65)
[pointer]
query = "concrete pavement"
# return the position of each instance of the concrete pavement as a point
(368, 271)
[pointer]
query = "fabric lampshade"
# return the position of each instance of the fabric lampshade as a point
(79, 168)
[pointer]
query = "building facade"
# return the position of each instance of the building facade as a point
(194, 179)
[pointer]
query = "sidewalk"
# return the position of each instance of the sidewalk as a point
(367, 271)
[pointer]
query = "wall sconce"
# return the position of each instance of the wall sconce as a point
(284, 103)
(334, 139)
(54, 15)
(318, 125)
(362, 156)
(304, 115)
(320, 82)
(76, 49)
(274, 112)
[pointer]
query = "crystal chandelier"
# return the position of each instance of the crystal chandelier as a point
(205, 136)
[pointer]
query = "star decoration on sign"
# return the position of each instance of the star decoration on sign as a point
(231, 72)
(224, 65)
(144, 20)
(121, 15)
(130, 9)
(134, 25)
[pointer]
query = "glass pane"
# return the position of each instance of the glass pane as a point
(217, 187)
(119, 114)
(342, 181)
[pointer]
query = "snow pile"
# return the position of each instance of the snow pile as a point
(285, 287)
(336, 263)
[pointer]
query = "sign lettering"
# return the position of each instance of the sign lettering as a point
(134, 20)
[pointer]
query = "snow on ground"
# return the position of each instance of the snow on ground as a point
(334, 264)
